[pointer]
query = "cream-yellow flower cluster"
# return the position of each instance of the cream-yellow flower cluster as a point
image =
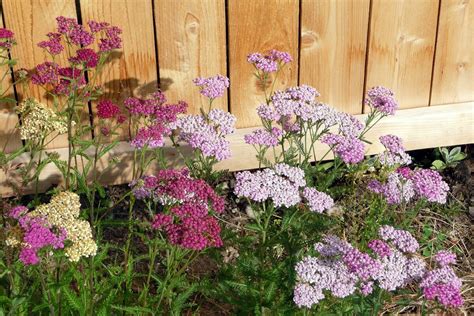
(63, 212)
(38, 120)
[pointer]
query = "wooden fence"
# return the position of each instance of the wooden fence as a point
(421, 49)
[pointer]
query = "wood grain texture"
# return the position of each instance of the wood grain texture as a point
(401, 48)
(258, 26)
(333, 50)
(31, 20)
(132, 70)
(453, 76)
(191, 43)
(9, 136)
(457, 118)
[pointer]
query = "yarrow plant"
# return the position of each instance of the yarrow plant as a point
(206, 132)
(183, 219)
(405, 184)
(339, 269)
(54, 224)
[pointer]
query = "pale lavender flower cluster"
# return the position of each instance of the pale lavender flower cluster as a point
(396, 190)
(212, 87)
(342, 270)
(328, 272)
(394, 153)
(270, 62)
(262, 137)
(224, 121)
(349, 148)
(284, 185)
(430, 185)
(267, 184)
(442, 284)
(207, 135)
(401, 239)
(317, 201)
(445, 258)
(382, 99)
(405, 184)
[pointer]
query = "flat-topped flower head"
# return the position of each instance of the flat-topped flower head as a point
(208, 136)
(394, 153)
(317, 201)
(382, 99)
(86, 56)
(262, 137)
(401, 239)
(106, 109)
(268, 185)
(270, 62)
(51, 225)
(189, 204)
(53, 45)
(212, 87)
(429, 184)
(349, 148)
(39, 121)
(6, 38)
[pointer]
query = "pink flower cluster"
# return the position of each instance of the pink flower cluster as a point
(6, 38)
(342, 269)
(270, 62)
(349, 148)
(382, 100)
(36, 234)
(188, 203)
(404, 185)
(282, 185)
(262, 137)
(66, 79)
(159, 119)
(207, 133)
(394, 153)
(212, 87)
(442, 284)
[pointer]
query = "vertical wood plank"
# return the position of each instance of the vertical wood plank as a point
(333, 50)
(31, 20)
(9, 136)
(401, 48)
(453, 75)
(133, 69)
(258, 26)
(191, 43)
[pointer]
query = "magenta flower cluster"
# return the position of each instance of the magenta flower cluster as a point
(341, 270)
(158, 116)
(382, 100)
(404, 185)
(270, 62)
(36, 234)
(64, 80)
(394, 153)
(212, 87)
(6, 38)
(284, 185)
(189, 205)
(442, 284)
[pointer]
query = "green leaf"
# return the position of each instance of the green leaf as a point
(73, 300)
(438, 165)
(180, 300)
(134, 310)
